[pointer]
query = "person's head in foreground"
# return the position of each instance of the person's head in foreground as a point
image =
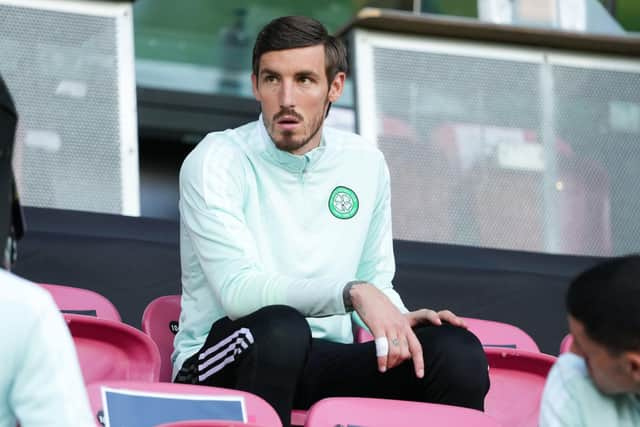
(298, 71)
(603, 306)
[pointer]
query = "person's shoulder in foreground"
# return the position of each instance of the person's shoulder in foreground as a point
(40, 380)
(571, 399)
(598, 383)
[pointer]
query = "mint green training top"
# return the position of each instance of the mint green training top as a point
(571, 399)
(260, 226)
(41, 383)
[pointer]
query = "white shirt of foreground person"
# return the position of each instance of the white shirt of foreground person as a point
(40, 379)
(570, 398)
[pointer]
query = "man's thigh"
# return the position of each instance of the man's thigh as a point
(245, 353)
(335, 369)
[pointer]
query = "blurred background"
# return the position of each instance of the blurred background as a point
(193, 76)
(511, 129)
(509, 124)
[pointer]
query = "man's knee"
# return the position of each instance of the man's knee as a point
(281, 329)
(458, 359)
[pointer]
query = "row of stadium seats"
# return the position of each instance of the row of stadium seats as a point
(117, 355)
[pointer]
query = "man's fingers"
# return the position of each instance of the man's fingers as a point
(431, 316)
(404, 346)
(425, 315)
(416, 354)
(382, 352)
(448, 316)
(395, 350)
(391, 350)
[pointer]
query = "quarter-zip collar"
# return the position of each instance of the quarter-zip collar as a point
(290, 162)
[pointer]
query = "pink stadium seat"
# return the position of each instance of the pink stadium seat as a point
(490, 334)
(208, 423)
(259, 412)
(517, 379)
(110, 350)
(353, 411)
(82, 301)
(566, 343)
(160, 322)
(298, 417)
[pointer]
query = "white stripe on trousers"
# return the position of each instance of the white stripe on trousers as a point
(236, 343)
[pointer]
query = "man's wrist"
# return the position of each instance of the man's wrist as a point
(346, 294)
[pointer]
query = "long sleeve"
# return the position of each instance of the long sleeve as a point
(213, 188)
(47, 388)
(377, 264)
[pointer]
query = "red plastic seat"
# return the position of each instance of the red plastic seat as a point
(490, 334)
(110, 350)
(391, 413)
(78, 300)
(160, 322)
(517, 380)
(259, 412)
(566, 343)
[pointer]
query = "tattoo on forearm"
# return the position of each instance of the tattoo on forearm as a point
(346, 294)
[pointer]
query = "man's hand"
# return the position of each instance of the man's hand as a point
(424, 315)
(386, 322)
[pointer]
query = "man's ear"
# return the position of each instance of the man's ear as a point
(633, 365)
(254, 87)
(337, 86)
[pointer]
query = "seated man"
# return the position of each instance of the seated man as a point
(285, 234)
(40, 380)
(598, 382)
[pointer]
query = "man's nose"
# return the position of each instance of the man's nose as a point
(287, 94)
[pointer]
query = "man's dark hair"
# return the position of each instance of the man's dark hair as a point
(291, 32)
(606, 300)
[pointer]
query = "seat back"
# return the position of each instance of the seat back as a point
(258, 411)
(565, 344)
(82, 301)
(110, 350)
(490, 334)
(208, 423)
(160, 322)
(500, 334)
(517, 380)
(298, 417)
(368, 412)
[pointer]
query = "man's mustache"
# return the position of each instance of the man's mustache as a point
(287, 112)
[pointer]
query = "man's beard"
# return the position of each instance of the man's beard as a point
(285, 140)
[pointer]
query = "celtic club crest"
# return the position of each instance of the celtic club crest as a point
(343, 203)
